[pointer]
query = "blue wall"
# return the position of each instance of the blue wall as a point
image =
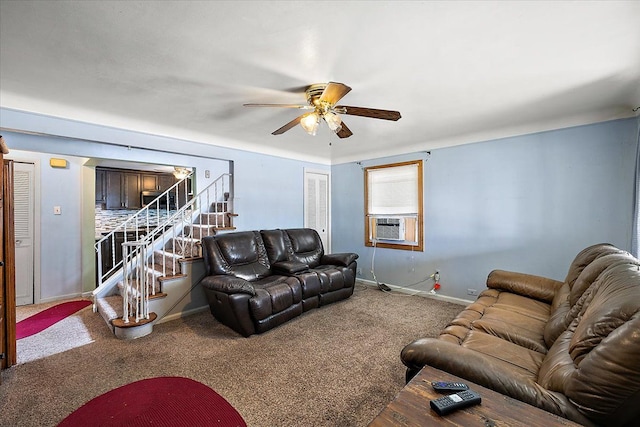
(528, 203)
(268, 189)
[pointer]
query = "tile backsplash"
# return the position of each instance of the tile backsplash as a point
(108, 220)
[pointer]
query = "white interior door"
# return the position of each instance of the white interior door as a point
(23, 186)
(316, 205)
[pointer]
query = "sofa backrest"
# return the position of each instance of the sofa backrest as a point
(306, 246)
(595, 362)
(586, 257)
(240, 254)
(277, 244)
(585, 269)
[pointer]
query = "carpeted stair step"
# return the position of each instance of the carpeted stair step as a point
(186, 247)
(198, 231)
(222, 220)
(133, 292)
(167, 257)
(120, 323)
(110, 308)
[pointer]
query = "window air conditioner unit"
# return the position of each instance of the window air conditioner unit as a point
(389, 228)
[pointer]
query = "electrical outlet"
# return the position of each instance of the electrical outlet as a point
(359, 271)
(473, 292)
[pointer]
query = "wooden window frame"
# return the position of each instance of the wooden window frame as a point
(368, 218)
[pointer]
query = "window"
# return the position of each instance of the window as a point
(393, 206)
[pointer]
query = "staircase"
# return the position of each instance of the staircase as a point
(160, 262)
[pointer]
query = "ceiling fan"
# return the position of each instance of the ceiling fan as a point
(322, 98)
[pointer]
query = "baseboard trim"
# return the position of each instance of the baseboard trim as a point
(61, 297)
(175, 316)
(420, 293)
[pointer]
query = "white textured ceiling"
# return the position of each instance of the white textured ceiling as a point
(458, 72)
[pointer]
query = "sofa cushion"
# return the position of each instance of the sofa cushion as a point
(508, 316)
(514, 354)
(273, 295)
(512, 326)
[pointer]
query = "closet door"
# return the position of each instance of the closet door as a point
(23, 214)
(316, 205)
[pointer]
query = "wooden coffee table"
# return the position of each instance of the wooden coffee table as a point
(411, 407)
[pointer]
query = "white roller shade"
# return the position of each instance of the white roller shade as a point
(393, 190)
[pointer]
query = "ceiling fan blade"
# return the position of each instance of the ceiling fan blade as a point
(288, 126)
(300, 106)
(369, 112)
(334, 92)
(344, 131)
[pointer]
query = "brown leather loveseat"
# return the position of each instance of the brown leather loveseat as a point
(257, 280)
(571, 348)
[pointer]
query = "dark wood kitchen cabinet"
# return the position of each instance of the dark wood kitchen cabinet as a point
(101, 186)
(165, 181)
(122, 188)
(157, 182)
(131, 186)
(149, 182)
(113, 199)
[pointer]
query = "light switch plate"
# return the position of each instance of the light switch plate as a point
(57, 210)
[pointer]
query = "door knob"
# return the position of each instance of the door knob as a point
(18, 242)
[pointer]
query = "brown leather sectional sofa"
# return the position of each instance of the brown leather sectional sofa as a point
(257, 280)
(571, 348)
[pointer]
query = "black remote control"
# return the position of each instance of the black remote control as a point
(448, 404)
(444, 386)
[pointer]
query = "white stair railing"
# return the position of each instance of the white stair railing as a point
(135, 297)
(109, 248)
(184, 228)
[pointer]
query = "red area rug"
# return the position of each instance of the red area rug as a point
(41, 321)
(163, 401)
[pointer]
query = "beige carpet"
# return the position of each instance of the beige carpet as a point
(335, 366)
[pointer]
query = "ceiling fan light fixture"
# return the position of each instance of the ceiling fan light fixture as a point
(322, 99)
(310, 123)
(333, 121)
(181, 173)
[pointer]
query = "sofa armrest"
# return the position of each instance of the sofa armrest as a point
(343, 259)
(228, 285)
(289, 267)
(538, 287)
(487, 372)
